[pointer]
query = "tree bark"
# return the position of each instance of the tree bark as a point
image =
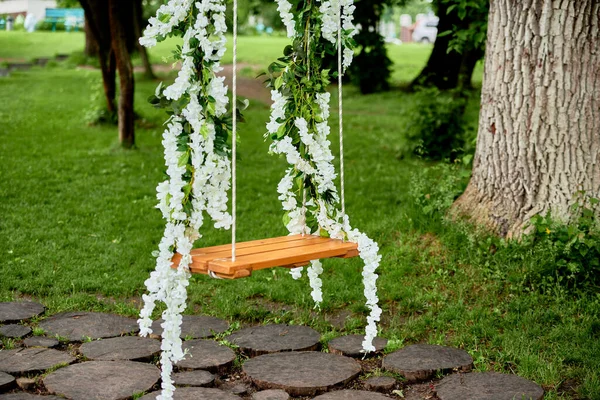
(539, 128)
(92, 48)
(118, 14)
(98, 23)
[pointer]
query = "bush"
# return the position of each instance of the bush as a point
(436, 128)
(571, 251)
(434, 189)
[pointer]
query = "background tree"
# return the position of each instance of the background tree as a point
(109, 22)
(460, 43)
(539, 127)
(370, 70)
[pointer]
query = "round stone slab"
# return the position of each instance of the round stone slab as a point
(301, 373)
(197, 378)
(17, 311)
(40, 341)
(379, 383)
(351, 395)
(6, 381)
(421, 361)
(78, 326)
(14, 331)
(29, 360)
(351, 346)
(487, 386)
(102, 380)
(206, 354)
(275, 338)
(27, 396)
(193, 393)
(196, 327)
(132, 348)
(271, 394)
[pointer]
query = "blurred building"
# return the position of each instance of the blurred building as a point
(23, 7)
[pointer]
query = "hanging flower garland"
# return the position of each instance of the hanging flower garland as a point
(197, 152)
(299, 130)
(196, 156)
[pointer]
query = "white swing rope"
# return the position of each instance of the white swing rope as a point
(341, 118)
(234, 133)
(234, 130)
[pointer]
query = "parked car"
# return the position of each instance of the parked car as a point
(425, 30)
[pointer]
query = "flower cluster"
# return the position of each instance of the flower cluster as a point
(284, 7)
(167, 17)
(332, 13)
(299, 129)
(198, 172)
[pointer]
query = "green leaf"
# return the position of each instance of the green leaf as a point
(183, 159)
(286, 219)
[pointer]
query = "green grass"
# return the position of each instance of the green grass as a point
(26, 46)
(78, 226)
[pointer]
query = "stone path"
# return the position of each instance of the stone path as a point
(351, 346)
(420, 362)
(277, 368)
(132, 348)
(275, 338)
(195, 327)
(208, 355)
(301, 373)
(102, 380)
(80, 326)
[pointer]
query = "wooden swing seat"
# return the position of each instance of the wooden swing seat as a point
(286, 251)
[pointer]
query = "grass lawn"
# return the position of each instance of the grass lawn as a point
(78, 226)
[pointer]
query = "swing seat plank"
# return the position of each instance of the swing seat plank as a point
(286, 251)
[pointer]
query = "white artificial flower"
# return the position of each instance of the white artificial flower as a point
(284, 7)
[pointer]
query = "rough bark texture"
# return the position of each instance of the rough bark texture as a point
(119, 14)
(539, 127)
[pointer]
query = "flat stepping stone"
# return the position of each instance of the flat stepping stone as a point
(206, 354)
(195, 327)
(380, 383)
(194, 393)
(198, 378)
(6, 381)
(351, 346)
(79, 326)
(17, 311)
(102, 380)
(301, 373)
(419, 362)
(27, 396)
(266, 339)
(30, 360)
(132, 348)
(40, 341)
(487, 386)
(351, 395)
(272, 394)
(14, 331)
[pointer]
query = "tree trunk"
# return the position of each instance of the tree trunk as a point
(539, 128)
(109, 73)
(118, 14)
(443, 67)
(137, 28)
(92, 48)
(98, 24)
